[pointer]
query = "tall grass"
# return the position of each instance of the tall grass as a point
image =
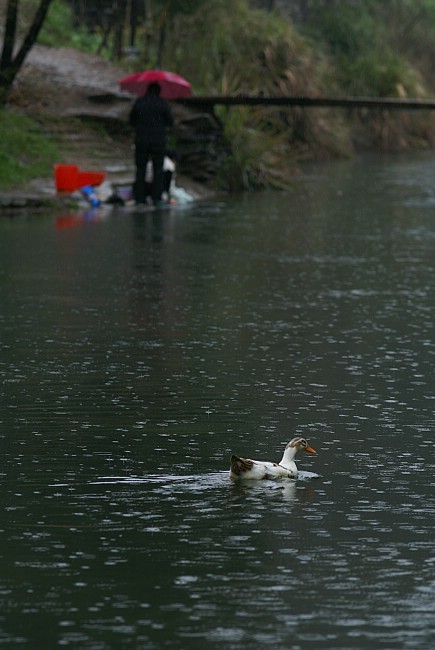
(236, 50)
(373, 53)
(361, 43)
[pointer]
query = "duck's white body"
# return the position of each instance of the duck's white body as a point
(246, 468)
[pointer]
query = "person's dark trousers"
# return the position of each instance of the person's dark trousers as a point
(167, 178)
(143, 152)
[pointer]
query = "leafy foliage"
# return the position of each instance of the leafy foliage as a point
(58, 30)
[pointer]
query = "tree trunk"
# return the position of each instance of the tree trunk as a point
(133, 22)
(119, 27)
(9, 34)
(10, 65)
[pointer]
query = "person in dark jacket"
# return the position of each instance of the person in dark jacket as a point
(150, 116)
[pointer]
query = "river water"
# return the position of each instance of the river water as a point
(138, 351)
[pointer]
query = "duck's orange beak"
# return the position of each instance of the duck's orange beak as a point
(311, 450)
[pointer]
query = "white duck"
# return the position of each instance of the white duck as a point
(245, 468)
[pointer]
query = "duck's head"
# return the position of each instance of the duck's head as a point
(300, 444)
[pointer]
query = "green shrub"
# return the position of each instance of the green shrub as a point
(59, 30)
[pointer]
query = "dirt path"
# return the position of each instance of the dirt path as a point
(62, 79)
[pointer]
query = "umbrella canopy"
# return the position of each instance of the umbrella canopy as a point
(171, 84)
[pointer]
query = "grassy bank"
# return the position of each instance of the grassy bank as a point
(27, 151)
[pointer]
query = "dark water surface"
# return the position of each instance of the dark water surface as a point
(138, 351)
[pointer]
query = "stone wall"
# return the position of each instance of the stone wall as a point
(199, 142)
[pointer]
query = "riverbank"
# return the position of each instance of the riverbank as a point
(42, 194)
(75, 99)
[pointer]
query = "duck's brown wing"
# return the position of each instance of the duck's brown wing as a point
(240, 465)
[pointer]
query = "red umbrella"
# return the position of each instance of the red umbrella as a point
(171, 84)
